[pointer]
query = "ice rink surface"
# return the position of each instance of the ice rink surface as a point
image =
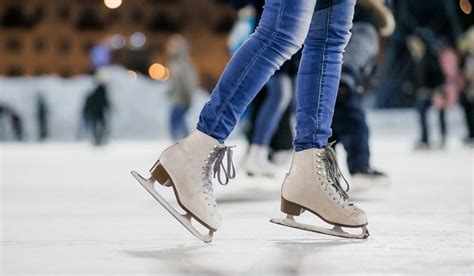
(72, 208)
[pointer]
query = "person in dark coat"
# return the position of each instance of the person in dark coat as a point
(15, 120)
(95, 112)
(371, 21)
(432, 43)
(467, 95)
(42, 117)
(184, 83)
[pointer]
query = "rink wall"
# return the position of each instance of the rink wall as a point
(139, 107)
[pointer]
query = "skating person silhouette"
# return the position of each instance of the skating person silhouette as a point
(432, 44)
(183, 84)
(313, 182)
(467, 96)
(96, 112)
(372, 20)
(42, 117)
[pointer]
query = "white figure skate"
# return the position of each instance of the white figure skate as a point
(313, 184)
(187, 167)
(257, 163)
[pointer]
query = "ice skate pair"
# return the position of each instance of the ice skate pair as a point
(312, 184)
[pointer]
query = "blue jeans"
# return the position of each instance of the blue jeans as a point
(178, 127)
(351, 130)
(286, 25)
(279, 95)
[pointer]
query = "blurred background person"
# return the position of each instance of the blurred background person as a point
(183, 78)
(371, 21)
(270, 132)
(96, 111)
(420, 64)
(467, 95)
(432, 45)
(42, 113)
(3, 124)
(12, 118)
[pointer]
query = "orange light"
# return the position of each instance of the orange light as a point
(157, 71)
(465, 6)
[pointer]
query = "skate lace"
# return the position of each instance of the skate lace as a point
(214, 168)
(332, 175)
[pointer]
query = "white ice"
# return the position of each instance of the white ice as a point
(72, 208)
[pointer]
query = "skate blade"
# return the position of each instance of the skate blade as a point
(336, 231)
(185, 219)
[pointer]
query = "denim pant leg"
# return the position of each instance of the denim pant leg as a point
(320, 70)
(423, 105)
(278, 97)
(182, 122)
(281, 32)
(442, 123)
(351, 130)
(178, 127)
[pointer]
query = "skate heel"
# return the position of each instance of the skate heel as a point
(159, 173)
(290, 208)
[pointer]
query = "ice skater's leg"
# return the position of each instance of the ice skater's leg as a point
(178, 128)
(182, 122)
(442, 125)
(423, 104)
(278, 97)
(174, 123)
(319, 72)
(281, 32)
(313, 182)
(468, 108)
(352, 130)
(188, 166)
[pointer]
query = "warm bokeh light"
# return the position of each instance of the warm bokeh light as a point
(132, 74)
(465, 6)
(157, 71)
(112, 4)
(167, 74)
